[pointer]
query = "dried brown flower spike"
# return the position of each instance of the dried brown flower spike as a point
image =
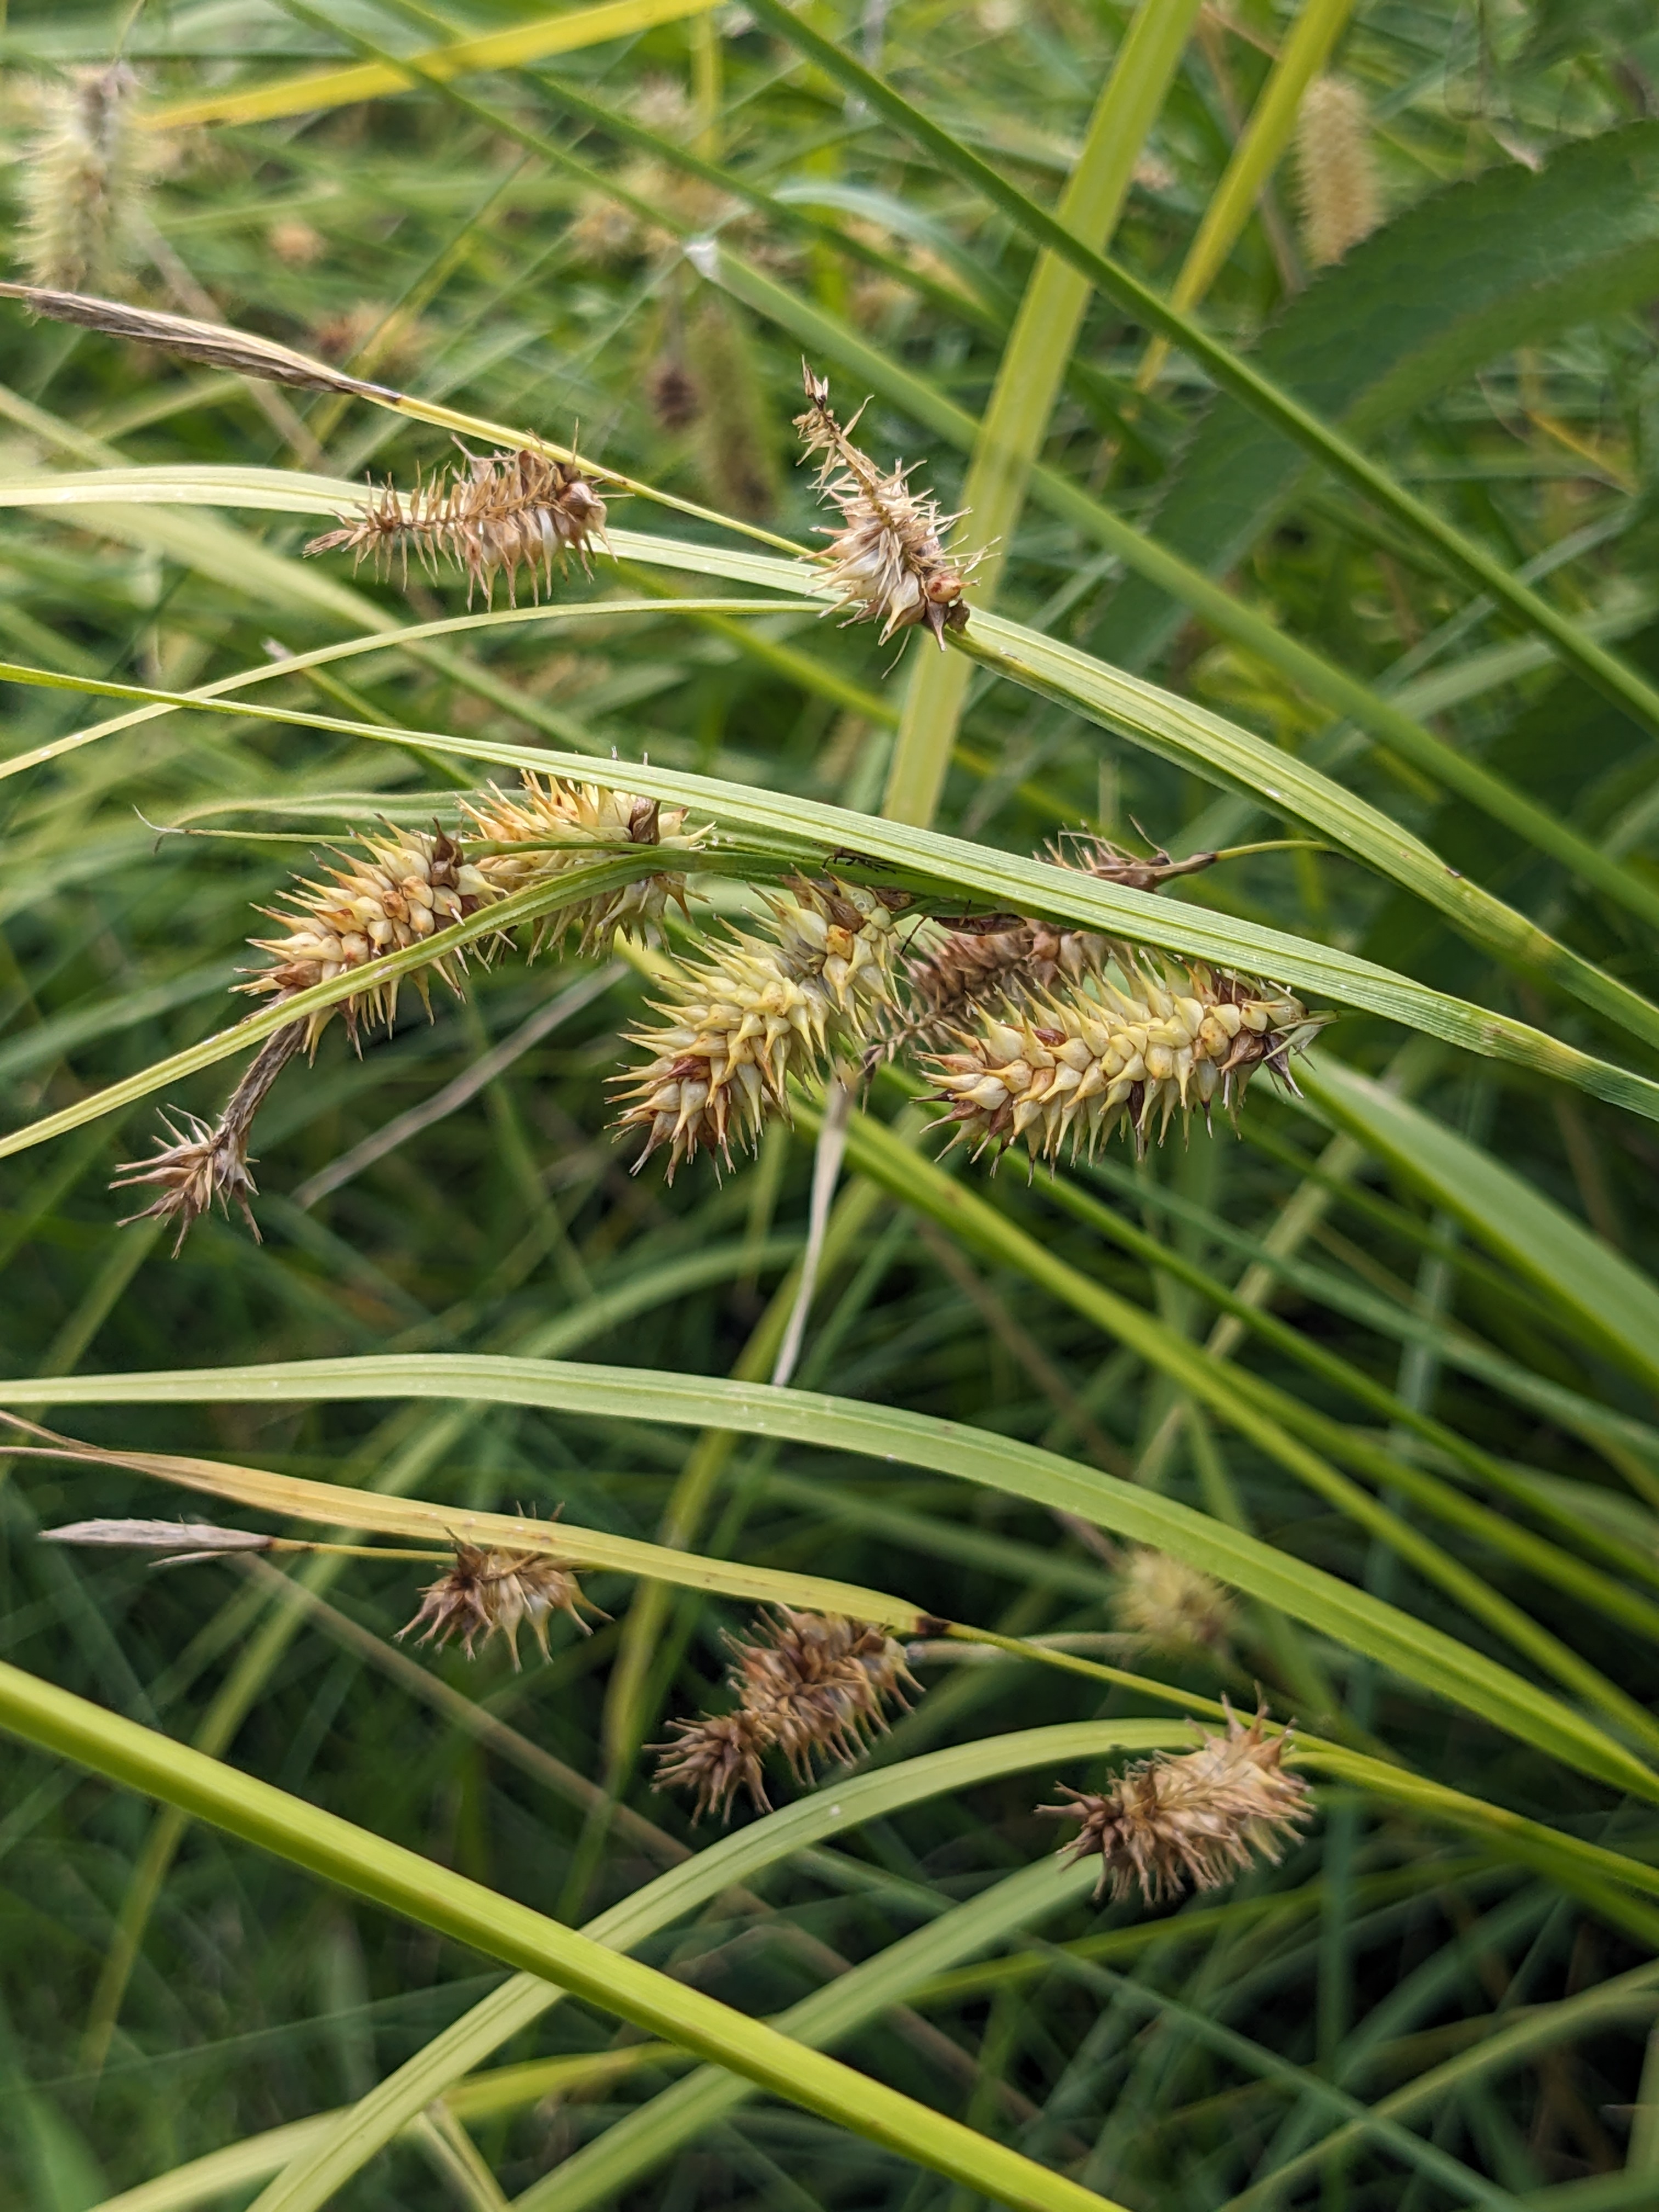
(491, 1593)
(409, 884)
(512, 514)
(204, 1164)
(885, 562)
(1196, 1818)
(814, 1687)
(740, 1023)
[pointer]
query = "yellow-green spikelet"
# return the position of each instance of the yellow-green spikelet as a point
(1069, 1067)
(738, 1025)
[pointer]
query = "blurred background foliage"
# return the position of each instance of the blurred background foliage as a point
(513, 244)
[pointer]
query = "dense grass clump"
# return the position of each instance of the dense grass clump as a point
(921, 1466)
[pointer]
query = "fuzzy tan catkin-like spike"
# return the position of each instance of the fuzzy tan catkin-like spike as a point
(1192, 1818)
(1172, 1606)
(1083, 1060)
(405, 887)
(811, 1687)
(740, 1023)
(553, 824)
(512, 514)
(83, 182)
(486, 1593)
(885, 562)
(1341, 198)
(207, 1165)
(737, 465)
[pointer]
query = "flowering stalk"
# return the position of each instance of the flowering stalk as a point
(885, 562)
(494, 1593)
(740, 1023)
(1198, 1818)
(548, 825)
(1083, 1060)
(510, 514)
(813, 1687)
(82, 182)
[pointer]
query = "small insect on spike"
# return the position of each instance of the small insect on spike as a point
(1196, 1819)
(488, 1593)
(885, 562)
(510, 515)
(813, 1687)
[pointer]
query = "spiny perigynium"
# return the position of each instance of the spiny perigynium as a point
(207, 1165)
(509, 514)
(406, 885)
(1196, 1818)
(1065, 1071)
(741, 1023)
(1171, 1606)
(486, 1593)
(1336, 170)
(885, 562)
(813, 1687)
(554, 825)
(1005, 957)
(83, 184)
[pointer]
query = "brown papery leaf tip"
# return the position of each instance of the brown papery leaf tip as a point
(1193, 1820)
(183, 1540)
(813, 1687)
(488, 1593)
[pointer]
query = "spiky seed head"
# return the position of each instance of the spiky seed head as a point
(1341, 197)
(885, 562)
(83, 182)
(401, 889)
(297, 243)
(673, 394)
(487, 1593)
(1174, 1606)
(714, 1757)
(205, 1165)
(813, 1687)
(1086, 1059)
(1194, 1819)
(553, 824)
(513, 514)
(737, 1025)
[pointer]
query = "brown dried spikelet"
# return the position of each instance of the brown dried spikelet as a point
(371, 335)
(1196, 1818)
(1081, 1060)
(405, 886)
(558, 823)
(736, 465)
(512, 514)
(885, 562)
(207, 1165)
(295, 242)
(740, 1023)
(1341, 197)
(1171, 1606)
(83, 181)
(672, 393)
(487, 1593)
(814, 1687)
